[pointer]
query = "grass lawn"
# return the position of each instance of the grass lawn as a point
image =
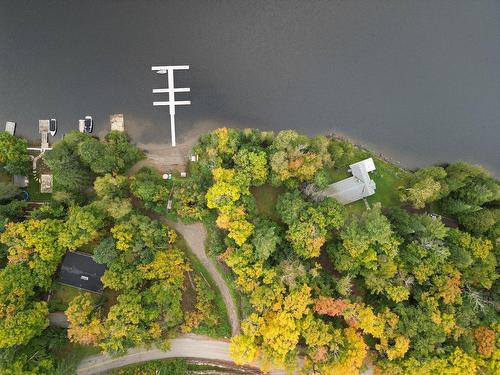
(5, 177)
(266, 197)
(388, 178)
(177, 366)
(72, 354)
(33, 190)
(223, 328)
(63, 294)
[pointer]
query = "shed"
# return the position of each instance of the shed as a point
(20, 181)
(80, 270)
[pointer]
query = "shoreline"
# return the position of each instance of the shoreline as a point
(165, 157)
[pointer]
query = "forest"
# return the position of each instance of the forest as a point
(406, 283)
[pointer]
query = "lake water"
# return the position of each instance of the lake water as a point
(418, 81)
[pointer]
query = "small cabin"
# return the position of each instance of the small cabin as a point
(81, 271)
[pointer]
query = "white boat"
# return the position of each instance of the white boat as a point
(89, 124)
(53, 126)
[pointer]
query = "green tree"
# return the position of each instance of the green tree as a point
(265, 238)
(295, 158)
(105, 252)
(148, 186)
(109, 186)
(480, 222)
(70, 174)
(13, 154)
(82, 226)
(253, 164)
(7, 191)
(126, 154)
(363, 239)
(21, 318)
(85, 326)
(426, 185)
(309, 224)
(97, 156)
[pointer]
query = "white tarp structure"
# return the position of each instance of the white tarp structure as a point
(10, 127)
(354, 188)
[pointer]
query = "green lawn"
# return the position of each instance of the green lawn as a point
(176, 366)
(5, 177)
(266, 197)
(70, 356)
(63, 294)
(33, 190)
(223, 328)
(388, 178)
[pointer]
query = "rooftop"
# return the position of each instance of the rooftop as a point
(354, 188)
(81, 271)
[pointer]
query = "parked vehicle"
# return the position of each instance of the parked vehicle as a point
(89, 124)
(53, 126)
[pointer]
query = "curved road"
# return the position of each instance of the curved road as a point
(173, 158)
(195, 236)
(186, 346)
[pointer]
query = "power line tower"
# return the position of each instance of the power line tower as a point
(171, 90)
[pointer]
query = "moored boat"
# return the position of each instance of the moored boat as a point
(53, 126)
(89, 124)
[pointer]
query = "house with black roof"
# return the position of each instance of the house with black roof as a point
(80, 270)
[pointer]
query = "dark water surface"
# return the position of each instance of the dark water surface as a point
(416, 80)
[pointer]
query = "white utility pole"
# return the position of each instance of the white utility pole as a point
(171, 90)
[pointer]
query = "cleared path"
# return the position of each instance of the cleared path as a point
(58, 319)
(187, 346)
(195, 236)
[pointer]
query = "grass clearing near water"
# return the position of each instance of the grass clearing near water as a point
(266, 197)
(387, 176)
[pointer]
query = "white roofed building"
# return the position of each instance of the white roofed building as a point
(354, 188)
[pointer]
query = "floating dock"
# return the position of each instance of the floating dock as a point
(81, 125)
(10, 127)
(43, 129)
(117, 122)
